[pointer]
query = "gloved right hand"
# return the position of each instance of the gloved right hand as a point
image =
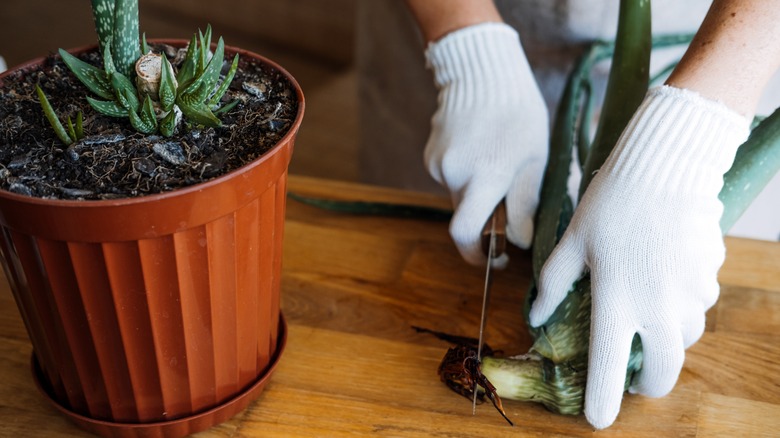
(489, 135)
(648, 230)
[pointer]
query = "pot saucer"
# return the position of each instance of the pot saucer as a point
(179, 427)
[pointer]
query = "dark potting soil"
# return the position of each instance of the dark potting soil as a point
(115, 161)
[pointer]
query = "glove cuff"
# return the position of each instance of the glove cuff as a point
(680, 140)
(484, 62)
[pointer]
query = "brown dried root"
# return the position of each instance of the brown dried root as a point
(460, 370)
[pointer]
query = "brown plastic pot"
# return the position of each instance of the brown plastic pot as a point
(155, 316)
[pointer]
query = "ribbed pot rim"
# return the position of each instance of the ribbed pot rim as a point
(184, 190)
(158, 214)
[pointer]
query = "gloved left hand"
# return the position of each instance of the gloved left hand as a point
(489, 134)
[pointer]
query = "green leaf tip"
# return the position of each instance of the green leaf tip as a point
(54, 121)
(146, 122)
(195, 89)
(95, 79)
(109, 108)
(73, 133)
(167, 91)
(214, 102)
(168, 124)
(201, 114)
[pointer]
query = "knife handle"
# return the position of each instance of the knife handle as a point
(499, 218)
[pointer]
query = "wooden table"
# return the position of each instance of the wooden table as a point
(354, 286)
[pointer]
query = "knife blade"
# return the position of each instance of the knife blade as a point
(493, 245)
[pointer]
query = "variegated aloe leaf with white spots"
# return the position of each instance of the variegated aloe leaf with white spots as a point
(193, 92)
(116, 23)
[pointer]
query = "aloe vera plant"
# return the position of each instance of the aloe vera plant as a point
(146, 88)
(554, 370)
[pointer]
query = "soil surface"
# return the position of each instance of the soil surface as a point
(115, 161)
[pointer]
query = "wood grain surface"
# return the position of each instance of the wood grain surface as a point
(353, 287)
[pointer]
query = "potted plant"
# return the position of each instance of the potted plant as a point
(142, 212)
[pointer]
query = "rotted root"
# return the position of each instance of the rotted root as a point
(460, 370)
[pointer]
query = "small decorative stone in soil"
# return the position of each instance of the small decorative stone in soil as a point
(113, 160)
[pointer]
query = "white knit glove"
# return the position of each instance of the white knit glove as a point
(489, 134)
(648, 230)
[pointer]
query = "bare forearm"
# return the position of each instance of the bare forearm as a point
(734, 54)
(437, 18)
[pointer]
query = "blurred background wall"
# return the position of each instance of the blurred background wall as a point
(314, 28)
(313, 39)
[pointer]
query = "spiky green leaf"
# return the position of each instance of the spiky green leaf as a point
(191, 97)
(103, 14)
(139, 124)
(200, 89)
(214, 102)
(167, 91)
(108, 62)
(168, 124)
(226, 108)
(147, 111)
(109, 108)
(190, 63)
(79, 126)
(54, 121)
(71, 129)
(205, 47)
(202, 54)
(201, 114)
(125, 92)
(128, 100)
(147, 121)
(144, 46)
(125, 44)
(92, 77)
